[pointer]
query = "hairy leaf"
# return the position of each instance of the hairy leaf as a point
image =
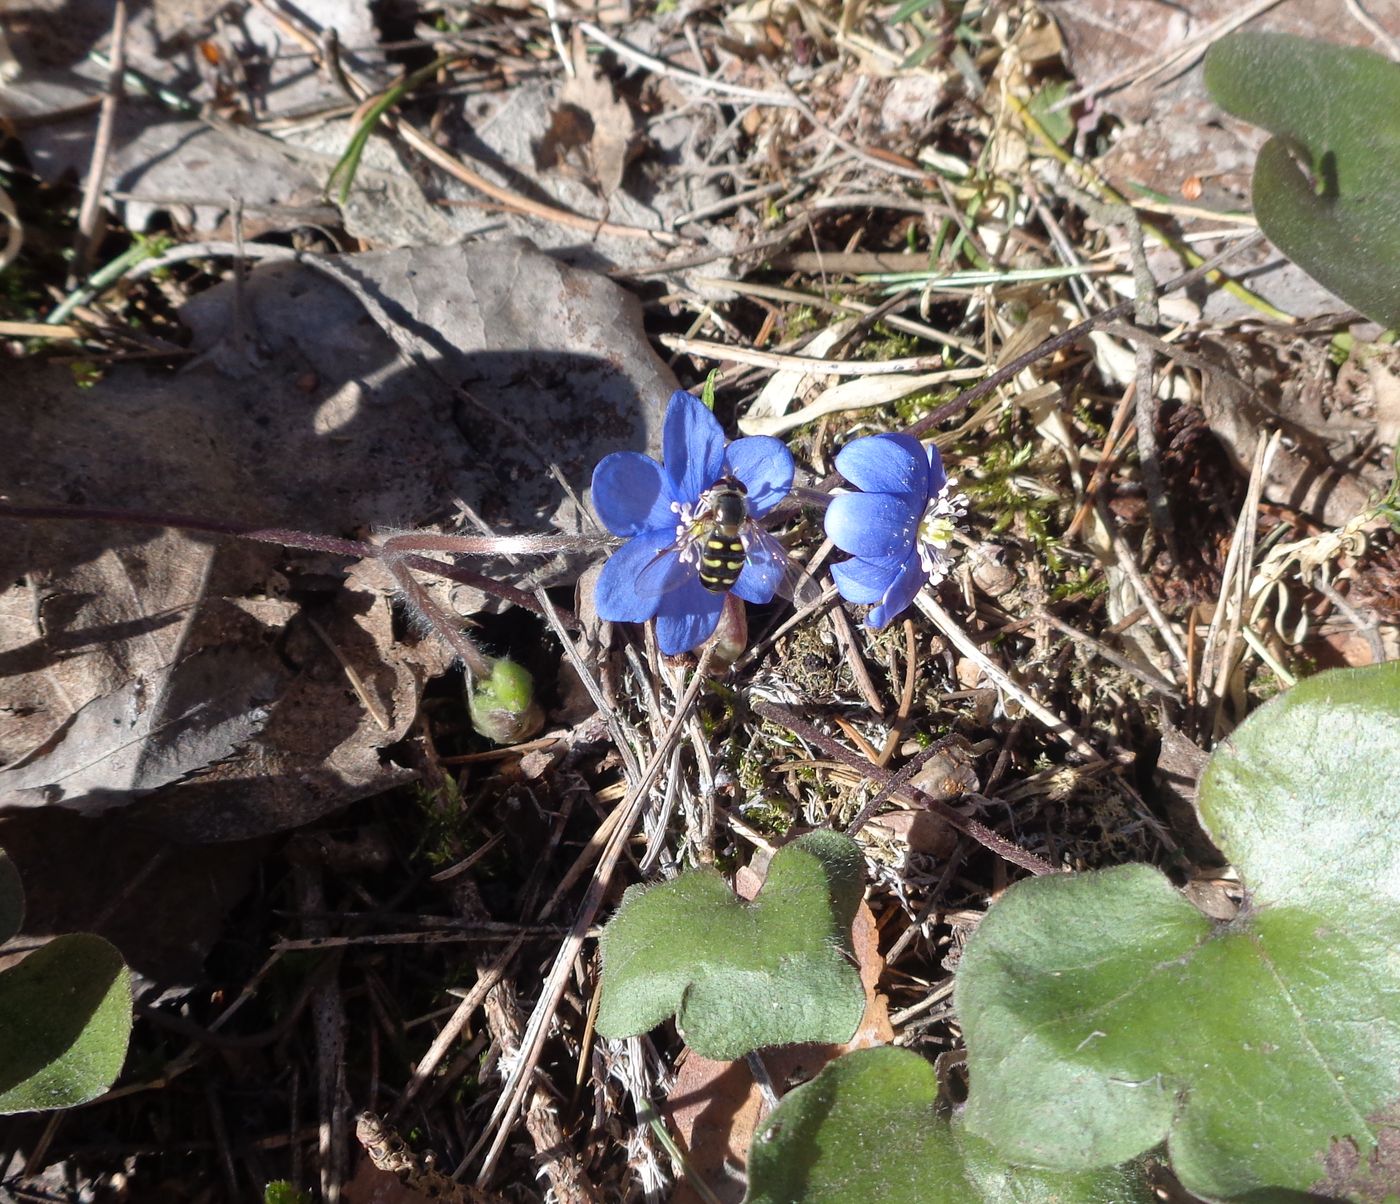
(868, 1127)
(1103, 1013)
(736, 975)
(65, 1017)
(1325, 188)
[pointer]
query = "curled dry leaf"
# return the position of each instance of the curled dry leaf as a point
(590, 118)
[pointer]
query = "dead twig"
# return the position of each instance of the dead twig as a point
(934, 365)
(622, 820)
(85, 242)
(960, 640)
(982, 834)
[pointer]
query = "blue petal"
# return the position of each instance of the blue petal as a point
(764, 465)
(616, 598)
(630, 495)
(763, 570)
(885, 464)
(909, 582)
(693, 447)
(687, 617)
(937, 478)
(874, 526)
(865, 581)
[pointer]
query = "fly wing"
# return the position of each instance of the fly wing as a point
(785, 575)
(662, 573)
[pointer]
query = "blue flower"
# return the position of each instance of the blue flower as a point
(666, 511)
(899, 529)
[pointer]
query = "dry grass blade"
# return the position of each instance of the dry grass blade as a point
(934, 364)
(621, 822)
(14, 241)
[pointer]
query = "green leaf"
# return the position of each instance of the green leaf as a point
(1103, 1013)
(1057, 123)
(869, 1127)
(65, 1017)
(1325, 188)
(739, 976)
(11, 898)
(910, 7)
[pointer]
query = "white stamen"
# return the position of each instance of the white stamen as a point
(937, 528)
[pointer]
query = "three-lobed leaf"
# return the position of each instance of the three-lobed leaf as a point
(1103, 1013)
(739, 976)
(869, 1127)
(1325, 188)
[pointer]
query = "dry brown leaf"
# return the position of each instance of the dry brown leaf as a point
(591, 119)
(161, 903)
(1172, 133)
(433, 375)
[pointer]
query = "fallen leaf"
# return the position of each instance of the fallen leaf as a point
(457, 372)
(592, 117)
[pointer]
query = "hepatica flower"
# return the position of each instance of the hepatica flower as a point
(899, 529)
(687, 518)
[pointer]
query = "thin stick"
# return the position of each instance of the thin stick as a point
(932, 364)
(1233, 568)
(477, 664)
(906, 698)
(1185, 54)
(85, 242)
(1149, 677)
(844, 305)
(1060, 342)
(1246, 564)
(816, 605)
(846, 638)
(659, 67)
(1127, 561)
(1106, 459)
(39, 330)
(1374, 28)
(979, 832)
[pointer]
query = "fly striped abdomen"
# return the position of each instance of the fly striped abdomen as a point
(721, 562)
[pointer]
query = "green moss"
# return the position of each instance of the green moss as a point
(85, 373)
(767, 815)
(802, 320)
(446, 832)
(885, 343)
(1082, 584)
(1265, 685)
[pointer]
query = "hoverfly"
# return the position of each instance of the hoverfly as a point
(715, 542)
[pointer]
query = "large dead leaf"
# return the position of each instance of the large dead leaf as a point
(162, 904)
(359, 393)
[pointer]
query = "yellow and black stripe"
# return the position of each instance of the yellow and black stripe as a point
(721, 562)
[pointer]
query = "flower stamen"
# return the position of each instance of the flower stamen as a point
(938, 528)
(688, 530)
